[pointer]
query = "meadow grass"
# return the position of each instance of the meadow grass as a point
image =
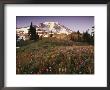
(54, 56)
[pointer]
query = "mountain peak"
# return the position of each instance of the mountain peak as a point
(56, 27)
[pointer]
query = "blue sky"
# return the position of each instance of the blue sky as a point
(75, 23)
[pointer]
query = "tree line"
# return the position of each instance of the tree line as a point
(83, 37)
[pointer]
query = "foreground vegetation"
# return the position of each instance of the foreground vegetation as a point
(53, 56)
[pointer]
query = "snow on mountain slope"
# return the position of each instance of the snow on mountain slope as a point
(48, 27)
(55, 27)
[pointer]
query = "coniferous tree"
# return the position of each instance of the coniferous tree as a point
(32, 33)
(17, 42)
(86, 37)
(92, 35)
(78, 35)
(51, 34)
(17, 37)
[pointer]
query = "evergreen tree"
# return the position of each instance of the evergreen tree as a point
(78, 35)
(32, 33)
(17, 37)
(86, 37)
(92, 35)
(51, 34)
(17, 42)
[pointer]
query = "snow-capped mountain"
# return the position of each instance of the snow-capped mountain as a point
(45, 29)
(54, 27)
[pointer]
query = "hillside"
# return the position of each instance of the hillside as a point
(54, 56)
